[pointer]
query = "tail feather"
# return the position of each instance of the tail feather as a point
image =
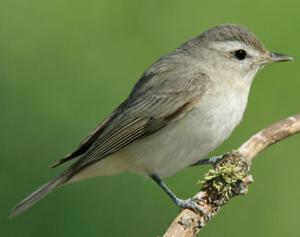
(38, 195)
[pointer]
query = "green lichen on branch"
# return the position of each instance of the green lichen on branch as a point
(226, 179)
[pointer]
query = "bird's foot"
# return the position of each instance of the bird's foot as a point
(209, 161)
(191, 204)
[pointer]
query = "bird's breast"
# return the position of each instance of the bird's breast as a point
(187, 140)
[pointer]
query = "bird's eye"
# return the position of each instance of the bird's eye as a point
(240, 54)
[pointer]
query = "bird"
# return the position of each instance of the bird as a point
(181, 108)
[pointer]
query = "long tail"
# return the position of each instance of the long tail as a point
(39, 194)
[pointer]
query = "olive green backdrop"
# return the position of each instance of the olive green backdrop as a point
(64, 65)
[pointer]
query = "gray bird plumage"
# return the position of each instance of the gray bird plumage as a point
(232, 33)
(181, 90)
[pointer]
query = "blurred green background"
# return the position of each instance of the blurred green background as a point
(64, 65)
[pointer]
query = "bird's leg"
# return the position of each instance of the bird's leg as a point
(184, 204)
(209, 161)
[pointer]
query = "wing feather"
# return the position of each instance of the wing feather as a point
(132, 129)
(151, 106)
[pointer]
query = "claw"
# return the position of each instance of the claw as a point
(192, 205)
(209, 161)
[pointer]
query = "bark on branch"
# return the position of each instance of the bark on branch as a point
(229, 178)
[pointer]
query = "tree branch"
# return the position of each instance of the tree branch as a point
(229, 178)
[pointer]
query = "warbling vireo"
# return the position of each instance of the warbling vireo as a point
(184, 106)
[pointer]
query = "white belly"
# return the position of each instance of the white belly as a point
(179, 144)
(186, 141)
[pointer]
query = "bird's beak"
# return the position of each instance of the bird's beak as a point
(278, 57)
(271, 57)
